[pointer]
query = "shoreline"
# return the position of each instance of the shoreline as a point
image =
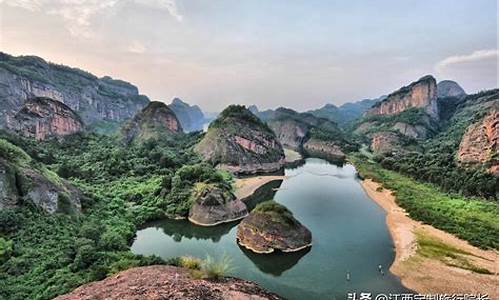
(216, 223)
(427, 275)
(246, 187)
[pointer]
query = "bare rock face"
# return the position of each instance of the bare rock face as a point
(167, 282)
(421, 93)
(41, 118)
(22, 181)
(327, 149)
(479, 144)
(190, 116)
(384, 142)
(94, 99)
(271, 226)
(289, 132)
(152, 122)
(214, 205)
(449, 88)
(237, 141)
(413, 131)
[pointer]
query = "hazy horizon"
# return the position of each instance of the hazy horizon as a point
(296, 54)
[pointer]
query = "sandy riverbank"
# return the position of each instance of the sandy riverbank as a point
(427, 275)
(245, 187)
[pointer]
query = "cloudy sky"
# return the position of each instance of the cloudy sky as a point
(300, 54)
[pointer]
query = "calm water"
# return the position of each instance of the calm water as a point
(349, 235)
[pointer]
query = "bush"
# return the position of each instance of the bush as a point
(216, 269)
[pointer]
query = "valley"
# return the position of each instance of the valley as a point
(98, 181)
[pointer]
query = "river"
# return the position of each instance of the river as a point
(349, 237)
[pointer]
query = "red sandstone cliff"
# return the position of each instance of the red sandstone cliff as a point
(480, 143)
(41, 117)
(420, 94)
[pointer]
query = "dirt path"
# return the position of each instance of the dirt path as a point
(431, 275)
(245, 187)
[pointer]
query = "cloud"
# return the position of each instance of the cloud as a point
(475, 71)
(475, 57)
(77, 14)
(137, 47)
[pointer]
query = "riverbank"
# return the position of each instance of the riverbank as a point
(245, 187)
(429, 260)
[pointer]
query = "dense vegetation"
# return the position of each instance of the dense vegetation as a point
(471, 219)
(44, 255)
(435, 161)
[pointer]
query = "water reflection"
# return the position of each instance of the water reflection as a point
(275, 263)
(183, 229)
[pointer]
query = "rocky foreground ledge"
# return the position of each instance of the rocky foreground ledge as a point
(271, 226)
(167, 282)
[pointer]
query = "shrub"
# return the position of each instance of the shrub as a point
(216, 269)
(190, 262)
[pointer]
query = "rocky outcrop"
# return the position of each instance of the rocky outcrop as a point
(190, 116)
(93, 99)
(290, 132)
(239, 142)
(327, 149)
(419, 94)
(214, 205)
(413, 131)
(41, 118)
(22, 181)
(270, 227)
(385, 142)
(449, 88)
(167, 282)
(479, 144)
(153, 122)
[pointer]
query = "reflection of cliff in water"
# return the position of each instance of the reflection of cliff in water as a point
(263, 193)
(179, 229)
(277, 262)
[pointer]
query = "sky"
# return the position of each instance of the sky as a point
(298, 54)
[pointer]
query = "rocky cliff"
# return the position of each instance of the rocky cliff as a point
(449, 88)
(479, 144)
(271, 226)
(190, 116)
(306, 132)
(40, 118)
(167, 282)
(385, 142)
(239, 142)
(153, 121)
(214, 205)
(22, 180)
(419, 94)
(94, 99)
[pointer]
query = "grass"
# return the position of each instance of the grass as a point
(216, 268)
(472, 219)
(436, 249)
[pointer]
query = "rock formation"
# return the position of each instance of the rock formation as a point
(40, 118)
(479, 144)
(327, 149)
(190, 116)
(385, 142)
(214, 205)
(271, 226)
(239, 142)
(167, 282)
(22, 181)
(449, 88)
(306, 132)
(152, 122)
(420, 94)
(94, 99)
